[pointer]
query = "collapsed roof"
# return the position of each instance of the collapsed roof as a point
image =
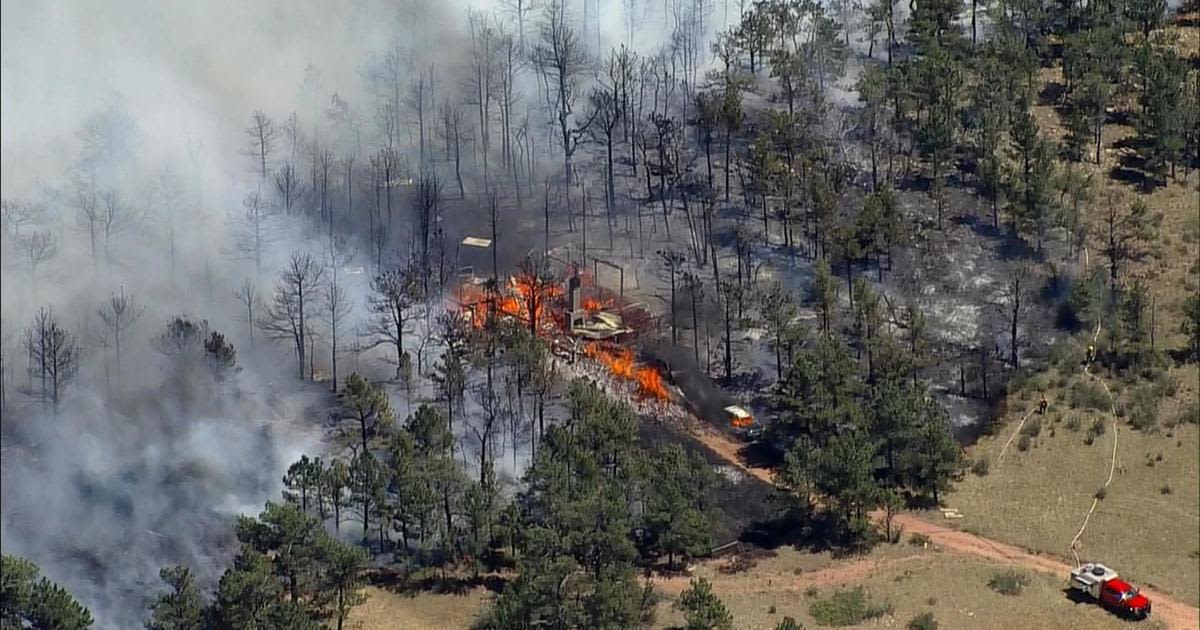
(601, 325)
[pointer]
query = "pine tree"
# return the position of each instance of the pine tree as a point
(181, 608)
(674, 511)
(1161, 122)
(27, 601)
(702, 609)
(341, 579)
(1032, 181)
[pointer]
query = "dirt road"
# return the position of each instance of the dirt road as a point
(1175, 614)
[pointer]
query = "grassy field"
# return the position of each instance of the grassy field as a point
(911, 581)
(389, 610)
(1038, 498)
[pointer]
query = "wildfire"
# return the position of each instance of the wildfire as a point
(742, 423)
(524, 299)
(593, 305)
(620, 362)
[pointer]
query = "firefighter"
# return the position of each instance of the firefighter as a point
(1042, 404)
(1091, 353)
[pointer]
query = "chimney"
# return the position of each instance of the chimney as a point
(573, 291)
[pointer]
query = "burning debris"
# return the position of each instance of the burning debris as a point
(619, 360)
(598, 326)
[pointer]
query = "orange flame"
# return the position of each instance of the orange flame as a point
(620, 362)
(592, 305)
(742, 423)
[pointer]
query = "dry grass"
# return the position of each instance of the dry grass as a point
(909, 580)
(387, 610)
(1038, 499)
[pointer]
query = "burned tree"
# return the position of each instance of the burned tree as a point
(606, 112)
(262, 134)
(15, 214)
(292, 305)
(38, 248)
(119, 313)
(53, 357)
(394, 293)
(335, 304)
(1014, 295)
(451, 131)
(288, 185)
(114, 217)
(512, 62)
(535, 280)
(247, 296)
(88, 214)
(426, 197)
(483, 79)
(254, 229)
(420, 103)
(560, 57)
(673, 262)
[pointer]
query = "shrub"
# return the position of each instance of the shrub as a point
(923, 621)
(1073, 423)
(1089, 438)
(1144, 413)
(1165, 489)
(981, 467)
(1008, 582)
(1032, 428)
(1098, 426)
(1190, 414)
(919, 540)
(1067, 355)
(789, 624)
(1088, 395)
(1101, 493)
(1023, 443)
(847, 608)
(810, 591)
(1165, 384)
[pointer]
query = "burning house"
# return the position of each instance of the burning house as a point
(576, 317)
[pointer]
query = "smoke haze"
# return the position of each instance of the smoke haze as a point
(144, 465)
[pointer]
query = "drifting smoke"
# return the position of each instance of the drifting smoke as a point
(142, 466)
(148, 102)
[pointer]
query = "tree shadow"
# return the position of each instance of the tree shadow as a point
(1131, 167)
(813, 531)
(403, 583)
(981, 226)
(1052, 94)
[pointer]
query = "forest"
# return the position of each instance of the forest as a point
(335, 344)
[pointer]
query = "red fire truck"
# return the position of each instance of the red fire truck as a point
(1101, 584)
